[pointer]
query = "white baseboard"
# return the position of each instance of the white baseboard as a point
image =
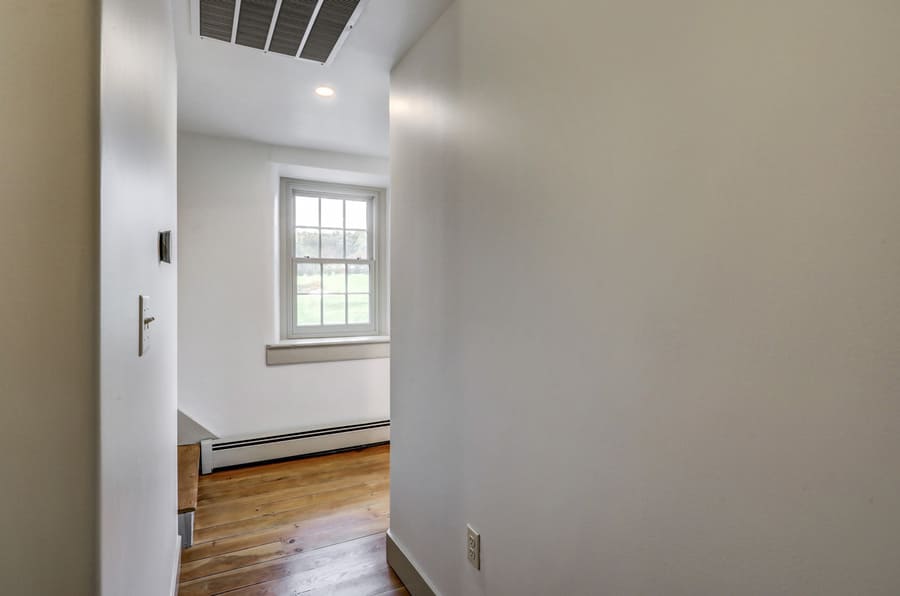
(220, 453)
(176, 570)
(416, 582)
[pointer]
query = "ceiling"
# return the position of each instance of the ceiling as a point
(239, 92)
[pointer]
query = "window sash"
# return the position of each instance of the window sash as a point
(358, 328)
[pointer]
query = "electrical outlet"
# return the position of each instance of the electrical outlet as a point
(473, 547)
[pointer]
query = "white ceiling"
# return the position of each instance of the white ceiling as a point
(239, 92)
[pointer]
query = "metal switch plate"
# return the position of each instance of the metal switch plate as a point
(144, 321)
(165, 247)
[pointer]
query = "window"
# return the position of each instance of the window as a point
(331, 279)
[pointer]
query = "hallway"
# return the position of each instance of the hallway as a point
(308, 526)
(571, 298)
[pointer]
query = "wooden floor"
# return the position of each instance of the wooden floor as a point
(310, 526)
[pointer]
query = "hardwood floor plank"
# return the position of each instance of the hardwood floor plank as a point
(314, 526)
(368, 500)
(360, 581)
(308, 464)
(321, 565)
(333, 522)
(293, 486)
(292, 467)
(249, 491)
(223, 481)
(290, 544)
(235, 510)
(401, 591)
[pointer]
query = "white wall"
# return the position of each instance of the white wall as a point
(427, 452)
(645, 298)
(228, 295)
(138, 395)
(48, 298)
(190, 431)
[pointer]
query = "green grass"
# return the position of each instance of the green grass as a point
(309, 305)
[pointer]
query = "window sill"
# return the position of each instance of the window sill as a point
(327, 349)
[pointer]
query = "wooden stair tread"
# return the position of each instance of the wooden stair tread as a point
(188, 477)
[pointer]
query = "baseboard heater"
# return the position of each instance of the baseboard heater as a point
(221, 453)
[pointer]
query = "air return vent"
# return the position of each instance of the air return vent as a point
(253, 23)
(216, 19)
(306, 29)
(328, 27)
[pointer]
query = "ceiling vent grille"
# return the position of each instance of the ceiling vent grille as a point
(305, 29)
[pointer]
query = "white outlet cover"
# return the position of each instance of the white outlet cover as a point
(473, 547)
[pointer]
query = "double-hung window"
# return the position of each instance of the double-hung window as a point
(330, 277)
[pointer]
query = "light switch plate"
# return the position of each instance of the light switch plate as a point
(144, 330)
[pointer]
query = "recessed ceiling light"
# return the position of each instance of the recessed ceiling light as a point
(324, 91)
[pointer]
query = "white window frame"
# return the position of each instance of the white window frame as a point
(289, 260)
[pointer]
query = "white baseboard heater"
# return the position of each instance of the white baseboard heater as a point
(221, 453)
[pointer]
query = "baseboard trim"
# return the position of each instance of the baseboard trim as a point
(176, 571)
(415, 581)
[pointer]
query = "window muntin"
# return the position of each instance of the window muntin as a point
(330, 249)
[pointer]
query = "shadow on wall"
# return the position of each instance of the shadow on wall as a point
(190, 431)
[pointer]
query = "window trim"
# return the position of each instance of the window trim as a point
(377, 257)
(333, 349)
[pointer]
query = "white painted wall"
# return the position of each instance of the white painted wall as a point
(138, 395)
(228, 293)
(48, 298)
(190, 431)
(645, 298)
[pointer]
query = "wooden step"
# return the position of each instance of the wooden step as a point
(188, 477)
